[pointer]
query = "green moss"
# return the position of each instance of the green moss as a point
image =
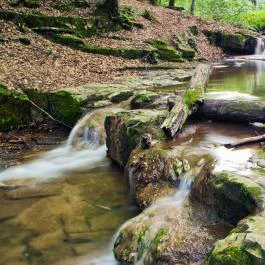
(229, 256)
(149, 15)
(14, 109)
(194, 30)
(191, 97)
(143, 244)
(158, 239)
(142, 100)
(165, 51)
(236, 196)
(127, 18)
(65, 107)
(232, 42)
(69, 40)
(187, 53)
(120, 96)
(62, 6)
(26, 3)
(78, 25)
(61, 105)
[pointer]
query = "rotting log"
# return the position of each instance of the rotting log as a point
(187, 103)
(245, 141)
(236, 111)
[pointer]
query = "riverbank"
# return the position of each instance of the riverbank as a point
(46, 57)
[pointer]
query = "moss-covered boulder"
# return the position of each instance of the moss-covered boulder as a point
(61, 105)
(44, 23)
(14, 109)
(165, 51)
(124, 130)
(245, 245)
(150, 100)
(169, 231)
(238, 43)
(157, 171)
(233, 196)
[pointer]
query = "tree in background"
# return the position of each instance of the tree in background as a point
(192, 8)
(171, 3)
(112, 7)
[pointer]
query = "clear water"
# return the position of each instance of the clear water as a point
(72, 199)
(67, 207)
(238, 78)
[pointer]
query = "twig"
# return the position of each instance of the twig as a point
(45, 112)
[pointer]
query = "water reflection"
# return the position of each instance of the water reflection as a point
(239, 76)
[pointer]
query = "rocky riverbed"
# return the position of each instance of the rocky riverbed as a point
(199, 202)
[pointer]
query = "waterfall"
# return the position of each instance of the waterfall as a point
(260, 48)
(179, 197)
(82, 151)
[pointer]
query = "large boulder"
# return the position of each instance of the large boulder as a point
(237, 43)
(170, 231)
(244, 246)
(124, 130)
(233, 196)
(157, 171)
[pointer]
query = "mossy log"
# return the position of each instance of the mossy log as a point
(236, 111)
(186, 104)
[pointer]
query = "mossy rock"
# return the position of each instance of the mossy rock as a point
(233, 42)
(233, 196)
(69, 40)
(120, 96)
(132, 244)
(245, 245)
(165, 51)
(14, 109)
(187, 53)
(26, 3)
(62, 105)
(149, 15)
(143, 100)
(77, 25)
(124, 130)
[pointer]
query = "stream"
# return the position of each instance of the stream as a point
(69, 202)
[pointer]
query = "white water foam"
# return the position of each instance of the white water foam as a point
(82, 151)
(260, 48)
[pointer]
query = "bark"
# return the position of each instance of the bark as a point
(112, 7)
(186, 104)
(236, 111)
(192, 8)
(171, 3)
(245, 141)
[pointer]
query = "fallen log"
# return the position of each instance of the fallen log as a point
(186, 103)
(236, 111)
(245, 141)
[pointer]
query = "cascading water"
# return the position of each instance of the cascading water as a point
(260, 48)
(81, 151)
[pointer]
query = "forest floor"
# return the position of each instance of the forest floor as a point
(46, 65)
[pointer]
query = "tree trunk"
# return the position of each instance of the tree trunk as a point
(236, 111)
(112, 7)
(171, 3)
(187, 103)
(192, 8)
